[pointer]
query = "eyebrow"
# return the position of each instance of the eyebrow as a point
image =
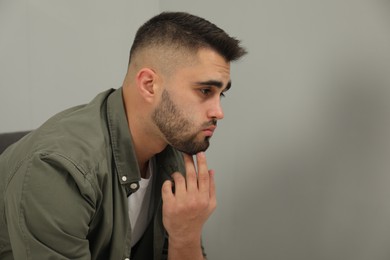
(215, 83)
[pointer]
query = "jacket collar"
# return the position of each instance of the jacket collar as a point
(121, 143)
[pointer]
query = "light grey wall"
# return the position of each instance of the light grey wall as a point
(302, 156)
(57, 54)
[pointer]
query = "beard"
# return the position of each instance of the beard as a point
(179, 132)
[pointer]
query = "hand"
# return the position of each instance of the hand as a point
(186, 210)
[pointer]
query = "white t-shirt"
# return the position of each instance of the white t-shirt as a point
(138, 204)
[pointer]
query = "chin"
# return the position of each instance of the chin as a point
(194, 148)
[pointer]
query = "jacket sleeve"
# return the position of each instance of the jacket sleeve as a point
(49, 204)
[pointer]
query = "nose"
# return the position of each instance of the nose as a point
(216, 110)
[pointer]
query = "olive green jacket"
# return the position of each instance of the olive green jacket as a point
(64, 188)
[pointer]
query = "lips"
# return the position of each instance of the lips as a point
(209, 130)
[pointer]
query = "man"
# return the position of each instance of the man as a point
(115, 179)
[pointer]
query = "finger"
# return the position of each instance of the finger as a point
(166, 191)
(203, 173)
(179, 182)
(189, 163)
(212, 185)
(191, 179)
(213, 198)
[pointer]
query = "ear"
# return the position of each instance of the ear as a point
(146, 80)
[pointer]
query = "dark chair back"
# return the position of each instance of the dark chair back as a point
(6, 139)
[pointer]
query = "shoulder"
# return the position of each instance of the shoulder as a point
(75, 141)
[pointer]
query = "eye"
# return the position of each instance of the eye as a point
(205, 91)
(208, 92)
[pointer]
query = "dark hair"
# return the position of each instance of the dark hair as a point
(183, 30)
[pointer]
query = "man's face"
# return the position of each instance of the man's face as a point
(190, 105)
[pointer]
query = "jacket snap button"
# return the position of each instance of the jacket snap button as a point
(124, 178)
(134, 186)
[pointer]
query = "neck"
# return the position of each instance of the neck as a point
(144, 150)
(145, 143)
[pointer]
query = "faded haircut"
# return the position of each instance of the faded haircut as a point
(180, 30)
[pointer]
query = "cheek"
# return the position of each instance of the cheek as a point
(196, 118)
(190, 107)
